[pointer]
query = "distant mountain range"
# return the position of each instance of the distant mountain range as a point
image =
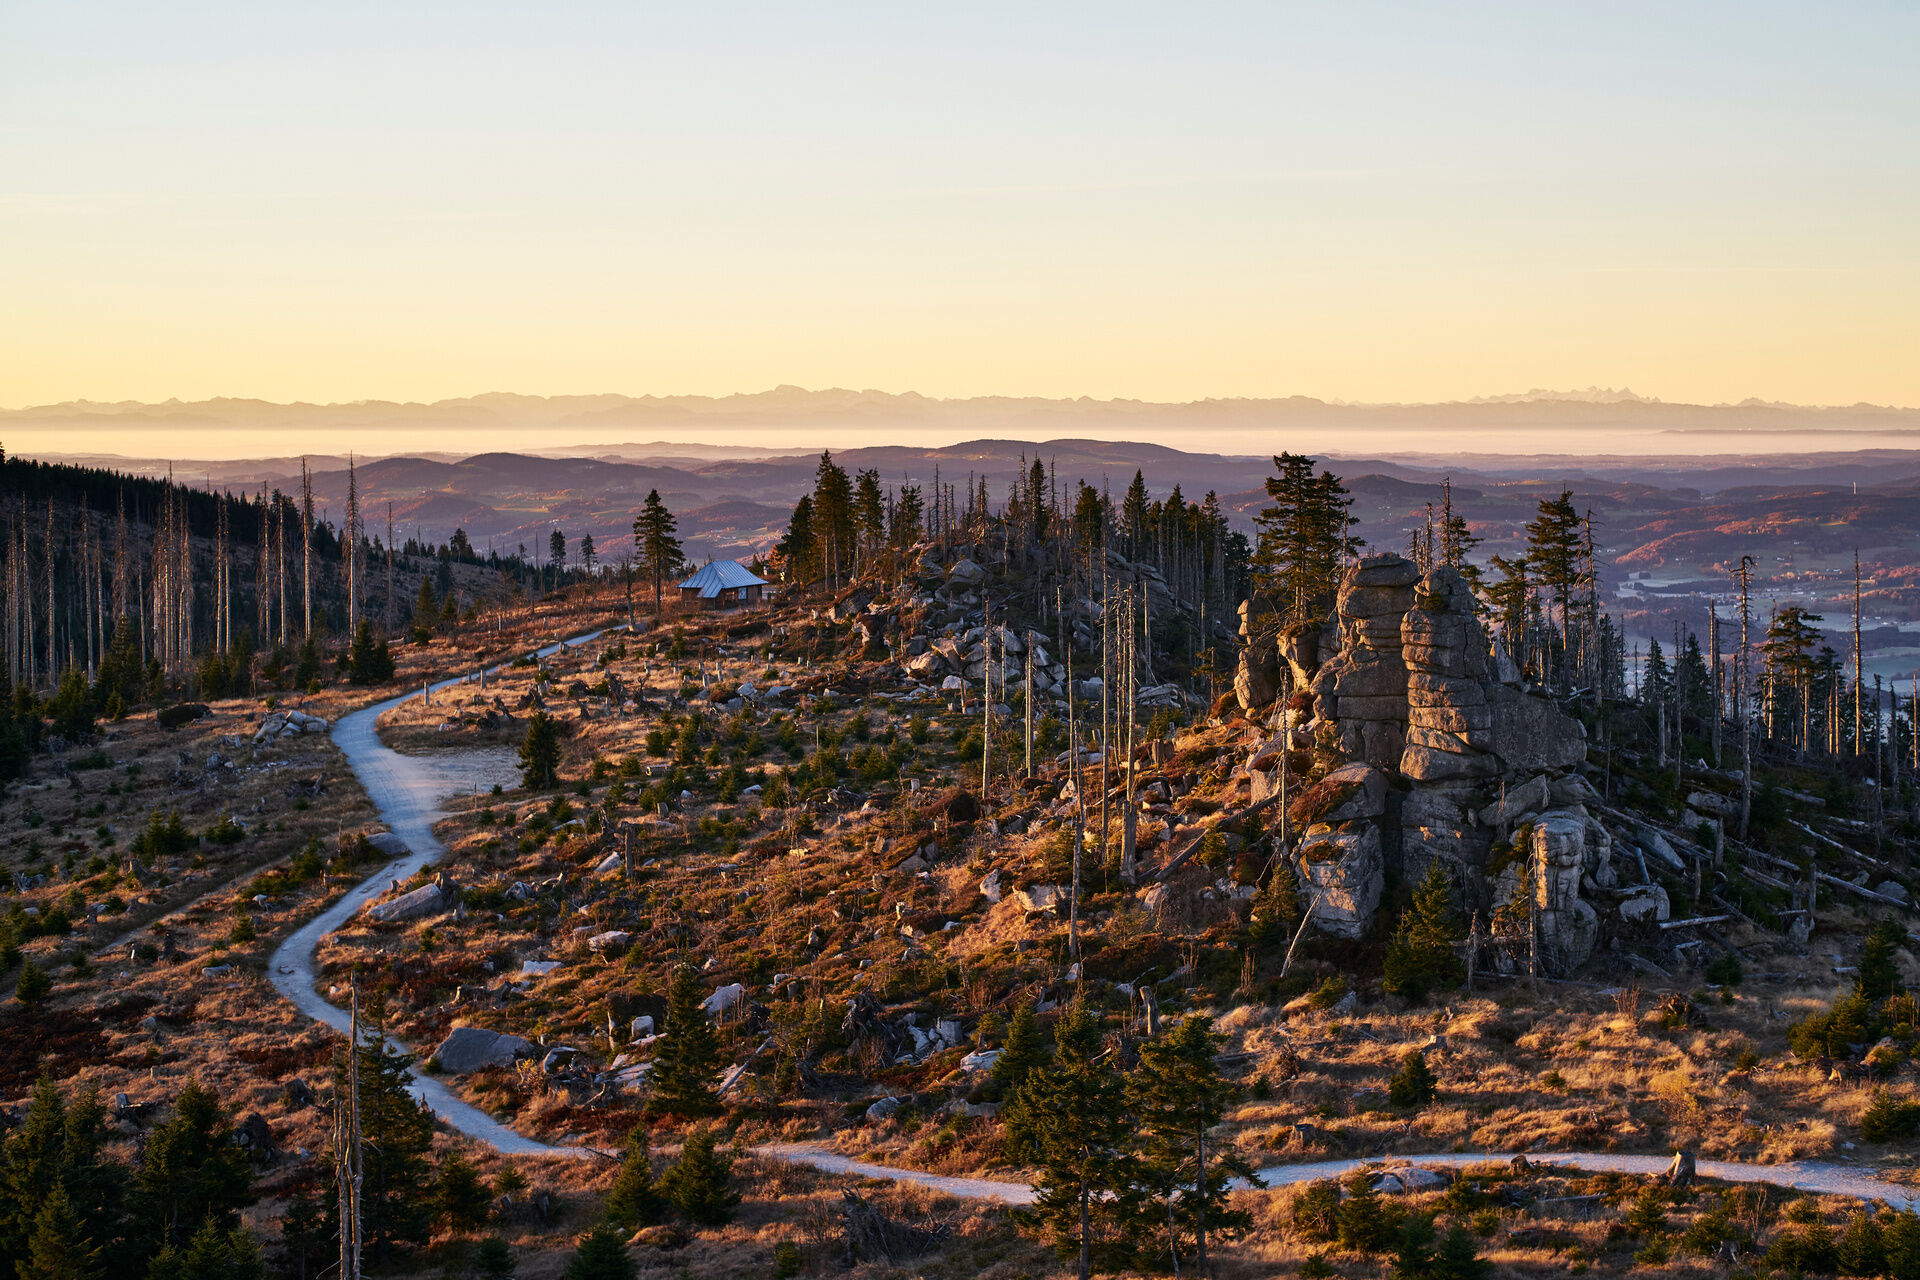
(799, 408)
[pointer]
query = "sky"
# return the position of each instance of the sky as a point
(1374, 202)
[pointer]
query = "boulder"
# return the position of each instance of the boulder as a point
(928, 665)
(640, 1026)
(882, 1109)
(966, 573)
(1256, 679)
(1529, 797)
(1344, 872)
(1648, 905)
(427, 900)
(615, 940)
(1425, 764)
(469, 1049)
(724, 998)
(1569, 926)
(390, 844)
(1385, 570)
(1041, 897)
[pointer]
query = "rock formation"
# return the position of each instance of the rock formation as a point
(1449, 758)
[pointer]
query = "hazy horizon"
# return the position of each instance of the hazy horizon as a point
(1593, 422)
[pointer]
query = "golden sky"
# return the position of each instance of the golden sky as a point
(1362, 201)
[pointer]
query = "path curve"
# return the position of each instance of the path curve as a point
(1799, 1175)
(408, 792)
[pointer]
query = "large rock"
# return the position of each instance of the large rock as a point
(390, 844)
(1385, 570)
(1529, 797)
(929, 665)
(1344, 872)
(1531, 734)
(1569, 926)
(427, 900)
(1425, 764)
(1256, 680)
(1348, 794)
(469, 1049)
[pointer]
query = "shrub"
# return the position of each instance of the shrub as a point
(1887, 1119)
(180, 713)
(1414, 1084)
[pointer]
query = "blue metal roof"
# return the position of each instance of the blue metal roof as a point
(722, 575)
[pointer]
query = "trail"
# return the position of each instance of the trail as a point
(409, 791)
(1804, 1175)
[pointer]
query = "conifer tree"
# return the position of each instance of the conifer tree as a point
(1070, 1118)
(1554, 544)
(58, 1247)
(700, 1183)
(1362, 1220)
(1422, 956)
(540, 752)
(1133, 517)
(493, 1259)
(601, 1255)
(634, 1202)
(1413, 1085)
(191, 1171)
(1177, 1096)
(396, 1191)
(1303, 538)
(833, 519)
(1276, 912)
(656, 549)
(369, 661)
(1023, 1050)
(461, 1198)
(689, 1054)
(799, 549)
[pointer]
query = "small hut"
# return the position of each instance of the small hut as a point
(723, 584)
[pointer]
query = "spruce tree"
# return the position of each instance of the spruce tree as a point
(1413, 1085)
(799, 549)
(369, 661)
(33, 986)
(688, 1058)
(655, 547)
(1023, 1050)
(700, 1183)
(461, 1198)
(1422, 955)
(540, 752)
(493, 1259)
(1363, 1223)
(396, 1190)
(634, 1201)
(1177, 1097)
(1276, 912)
(601, 1255)
(1070, 1118)
(833, 519)
(58, 1247)
(191, 1172)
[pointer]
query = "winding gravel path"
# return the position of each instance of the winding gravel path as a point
(409, 792)
(1825, 1179)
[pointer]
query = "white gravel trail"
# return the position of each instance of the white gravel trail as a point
(409, 792)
